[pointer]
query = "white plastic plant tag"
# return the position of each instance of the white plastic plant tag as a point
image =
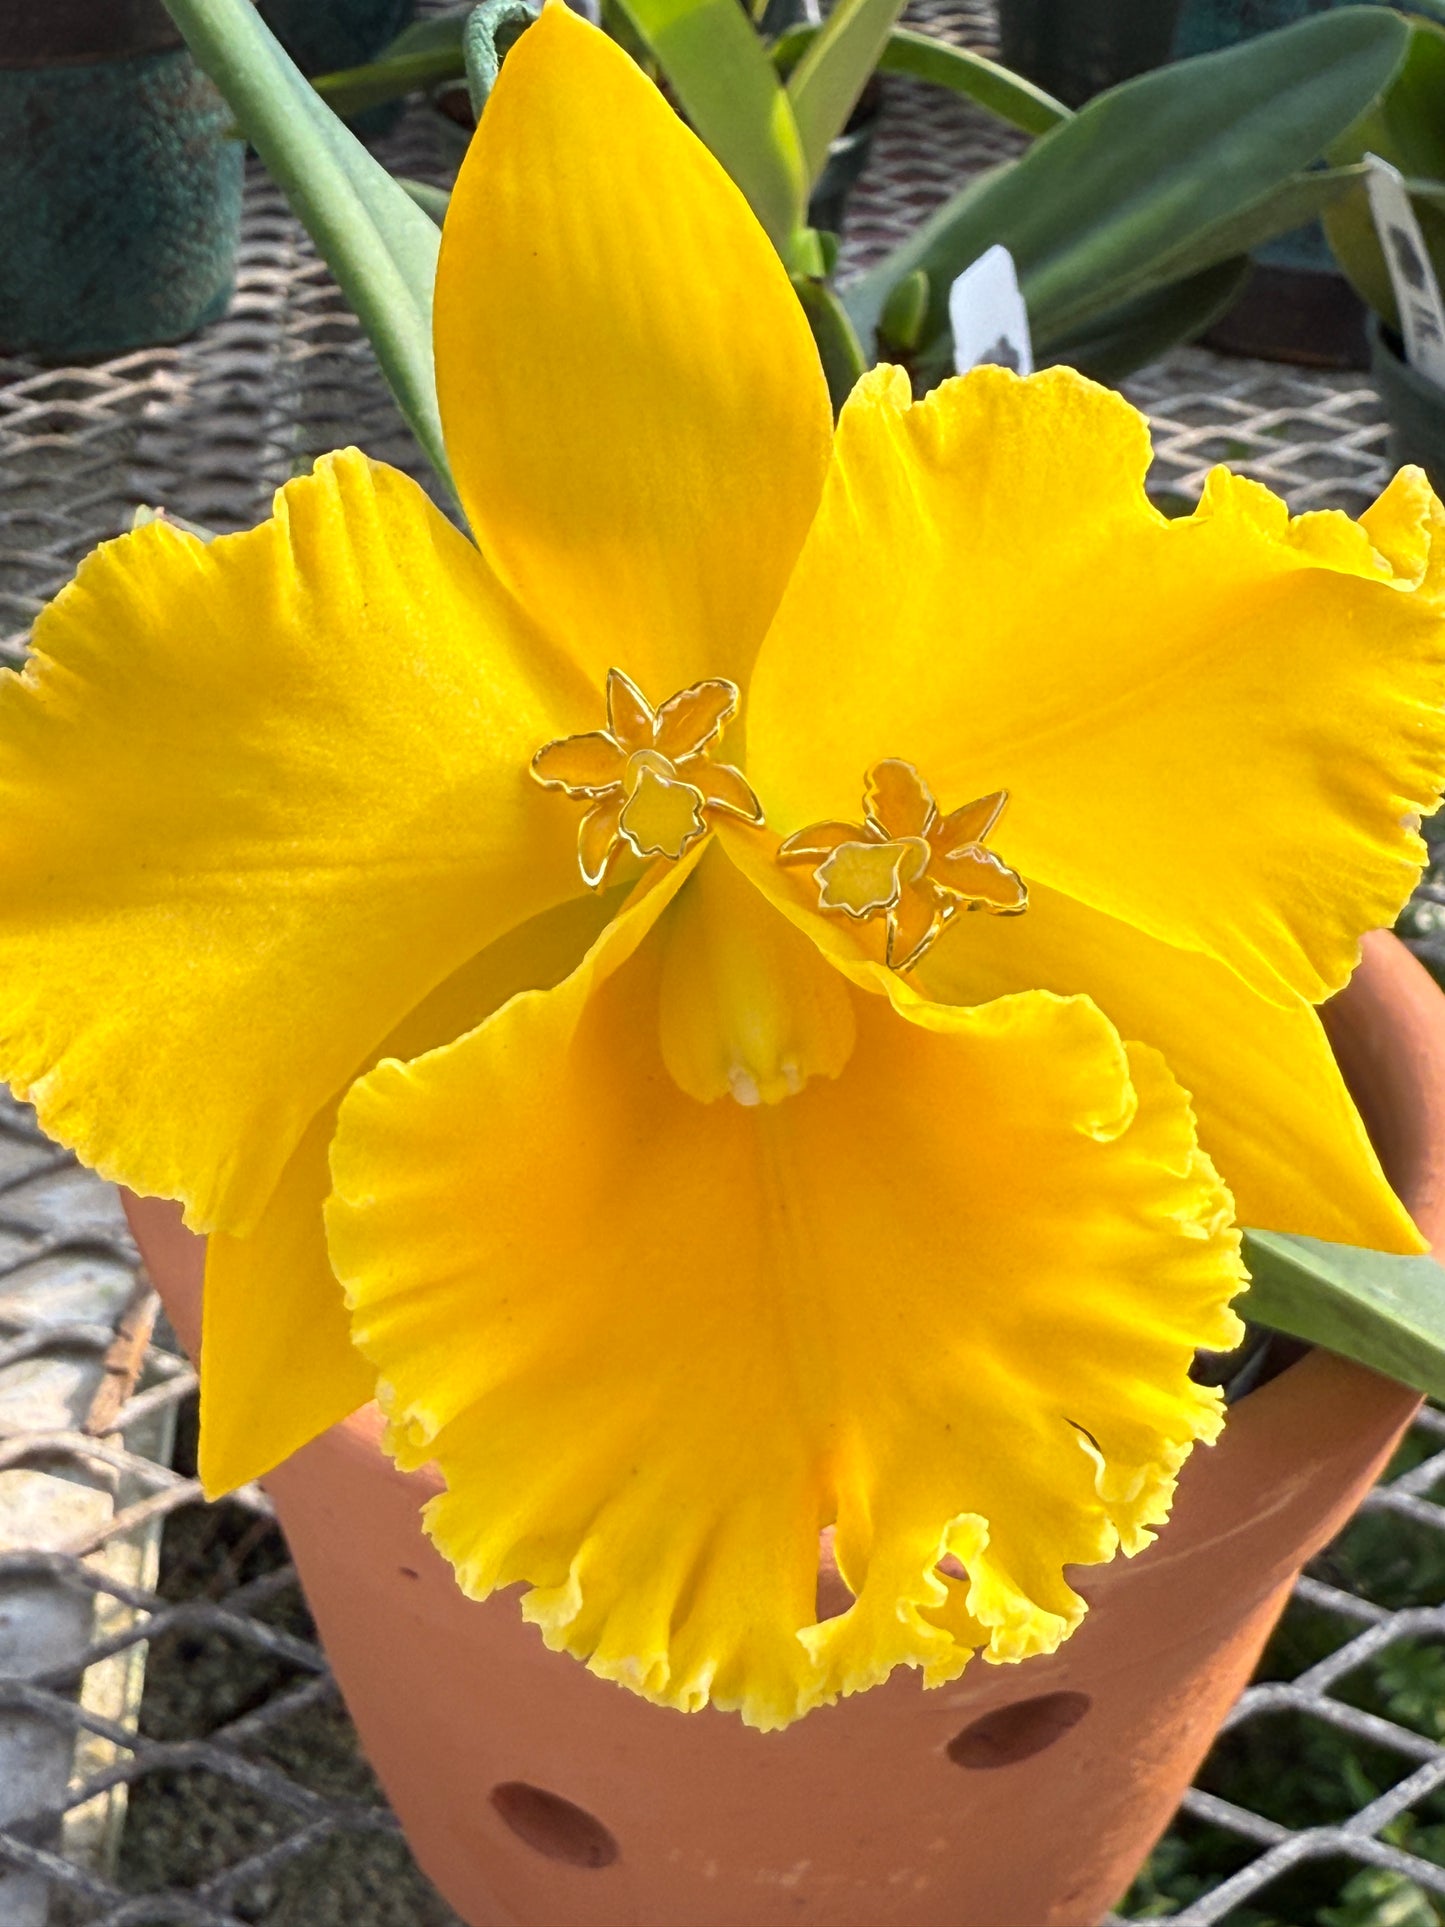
(987, 314)
(1417, 293)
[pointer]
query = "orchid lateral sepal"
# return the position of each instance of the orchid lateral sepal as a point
(647, 776)
(907, 863)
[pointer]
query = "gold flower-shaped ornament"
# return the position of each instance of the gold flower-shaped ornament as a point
(909, 864)
(648, 778)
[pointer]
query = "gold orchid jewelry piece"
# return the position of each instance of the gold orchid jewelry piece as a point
(668, 1222)
(648, 779)
(908, 863)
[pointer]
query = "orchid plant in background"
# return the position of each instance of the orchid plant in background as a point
(1130, 221)
(748, 994)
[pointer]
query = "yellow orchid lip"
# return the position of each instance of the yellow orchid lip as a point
(908, 863)
(649, 778)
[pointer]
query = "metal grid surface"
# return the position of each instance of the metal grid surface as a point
(171, 1745)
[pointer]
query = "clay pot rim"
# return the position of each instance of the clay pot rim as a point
(1395, 995)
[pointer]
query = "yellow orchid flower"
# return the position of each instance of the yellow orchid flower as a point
(675, 1225)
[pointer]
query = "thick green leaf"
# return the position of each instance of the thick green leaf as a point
(1284, 206)
(900, 325)
(1141, 330)
(377, 242)
(1007, 95)
(839, 349)
(438, 31)
(351, 89)
(730, 92)
(1157, 178)
(833, 71)
(1405, 126)
(433, 201)
(1384, 1311)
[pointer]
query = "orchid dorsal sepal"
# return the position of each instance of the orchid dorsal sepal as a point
(909, 863)
(649, 778)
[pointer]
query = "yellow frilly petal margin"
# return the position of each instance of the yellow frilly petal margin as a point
(634, 409)
(277, 1362)
(257, 798)
(1220, 729)
(946, 1301)
(1273, 1111)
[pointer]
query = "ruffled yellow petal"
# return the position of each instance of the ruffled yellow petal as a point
(1272, 1108)
(634, 408)
(1406, 524)
(656, 1345)
(277, 1362)
(1273, 1112)
(256, 798)
(1219, 729)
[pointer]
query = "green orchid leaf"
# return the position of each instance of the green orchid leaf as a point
(1141, 330)
(351, 89)
(433, 201)
(839, 349)
(1158, 178)
(833, 71)
(900, 326)
(1405, 126)
(440, 31)
(729, 90)
(1384, 1311)
(490, 31)
(1288, 205)
(378, 243)
(1008, 96)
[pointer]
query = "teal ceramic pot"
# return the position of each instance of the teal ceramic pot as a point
(120, 198)
(1074, 49)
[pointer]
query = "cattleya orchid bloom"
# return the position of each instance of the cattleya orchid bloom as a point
(670, 1218)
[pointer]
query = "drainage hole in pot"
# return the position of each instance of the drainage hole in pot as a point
(554, 1826)
(1019, 1731)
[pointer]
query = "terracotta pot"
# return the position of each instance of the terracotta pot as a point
(537, 1796)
